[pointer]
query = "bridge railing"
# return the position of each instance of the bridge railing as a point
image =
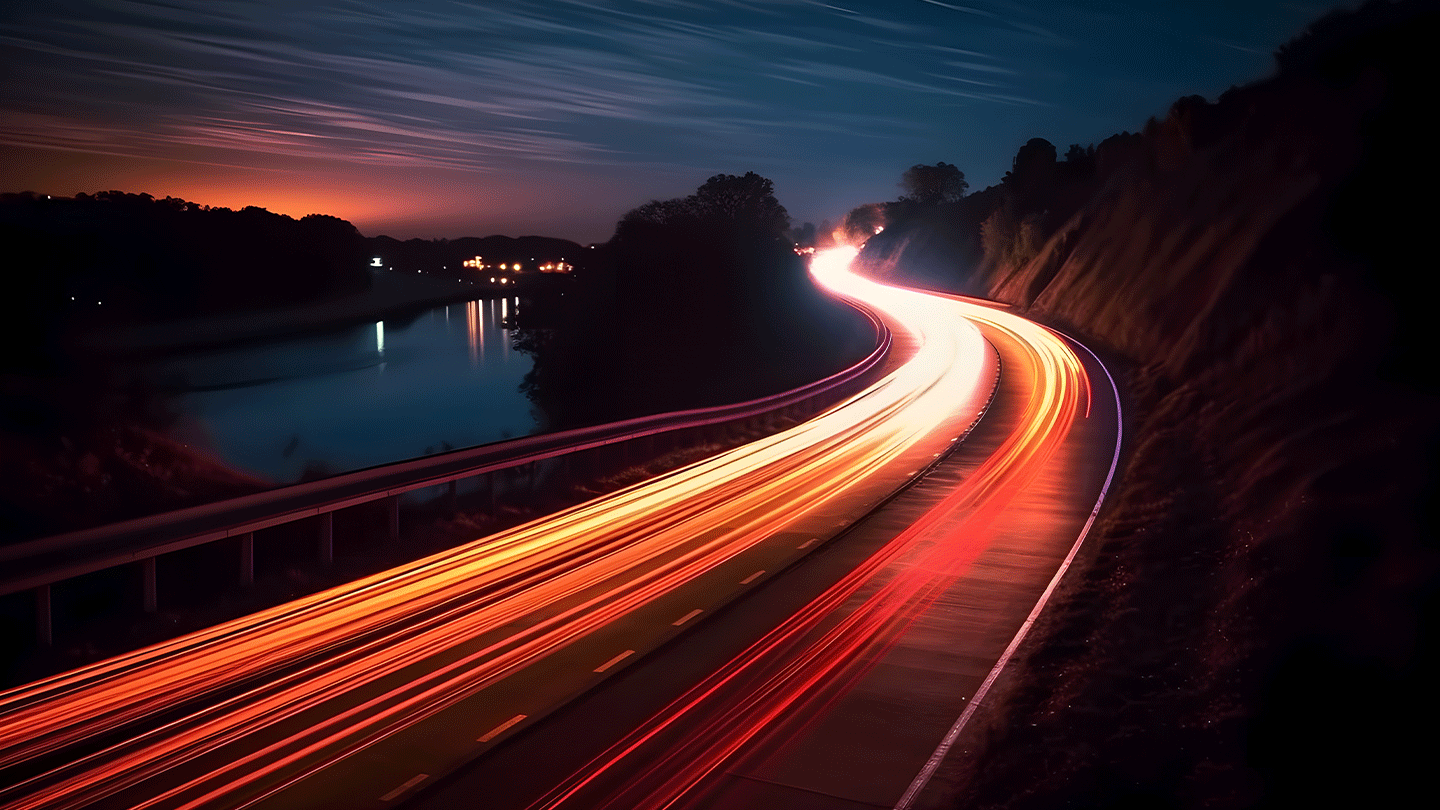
(36, 565)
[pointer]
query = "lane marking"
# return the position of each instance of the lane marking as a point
(502, 728)
(752, 577)
(808, 543)
(613, 661)
(687, 617)
(392, 795)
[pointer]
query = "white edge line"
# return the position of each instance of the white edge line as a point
(931, 765)
(392, 795)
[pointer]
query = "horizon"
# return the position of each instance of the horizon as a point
(541, 119)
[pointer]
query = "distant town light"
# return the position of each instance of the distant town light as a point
(375, 262)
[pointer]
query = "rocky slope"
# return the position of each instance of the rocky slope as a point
(1248, 622)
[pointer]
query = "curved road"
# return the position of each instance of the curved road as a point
(366, 695)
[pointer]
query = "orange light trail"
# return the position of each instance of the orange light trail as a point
(261, 703)
(813, 655)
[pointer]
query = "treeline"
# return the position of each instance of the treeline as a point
(694, 301)
(956, 242)
(145, 259)
(968, 243)
(114, 257)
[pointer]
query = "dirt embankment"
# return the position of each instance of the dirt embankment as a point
(1248, 619)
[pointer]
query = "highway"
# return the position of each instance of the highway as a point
(371, 693)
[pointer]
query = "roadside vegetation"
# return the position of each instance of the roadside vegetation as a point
(695, 301)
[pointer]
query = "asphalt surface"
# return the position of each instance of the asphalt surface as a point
(859, 739)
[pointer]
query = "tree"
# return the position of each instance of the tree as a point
(747, 201)
(862, 223)
(656, 213)
(932, 185)
(1032, 166)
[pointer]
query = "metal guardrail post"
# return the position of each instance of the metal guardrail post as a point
(327, 537)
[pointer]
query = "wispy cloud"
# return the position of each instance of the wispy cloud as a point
(669, 86)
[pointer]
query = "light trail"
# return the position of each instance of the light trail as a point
(258, 704)
(811, 658)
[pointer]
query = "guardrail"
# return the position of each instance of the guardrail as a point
(36, 565)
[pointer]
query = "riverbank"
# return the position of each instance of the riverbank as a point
(391, 295)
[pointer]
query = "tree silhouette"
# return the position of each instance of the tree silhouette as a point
(1033, 165)
(694, 301)
(863, 222)
(932, 185)
(747, 202)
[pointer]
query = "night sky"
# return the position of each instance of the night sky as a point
(447, 119)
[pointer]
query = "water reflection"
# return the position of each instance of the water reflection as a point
(304, 407)
(477, 333)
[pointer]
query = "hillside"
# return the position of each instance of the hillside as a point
(1248, 620)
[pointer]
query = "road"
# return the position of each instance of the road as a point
(871, 652)
(368, 694)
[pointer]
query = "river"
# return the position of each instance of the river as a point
(354, 398)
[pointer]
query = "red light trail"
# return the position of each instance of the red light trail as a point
(501, 630)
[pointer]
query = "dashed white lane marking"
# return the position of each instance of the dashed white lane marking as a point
(687, 617)
(752, 577)
(501, 729)
(613, 661)
(808, 543)
(395, 794)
